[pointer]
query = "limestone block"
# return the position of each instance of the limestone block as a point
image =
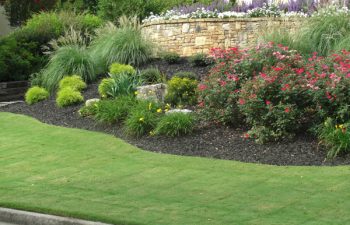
(92, 101)
(200, 41)
(226, 26)
(185, 28)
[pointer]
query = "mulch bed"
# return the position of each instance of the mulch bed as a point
(211, 142)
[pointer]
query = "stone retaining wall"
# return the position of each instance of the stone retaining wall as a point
(189, 36)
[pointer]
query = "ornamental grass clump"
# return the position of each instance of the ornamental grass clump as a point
(152, 76)
(111, 111)
(124, 45)
(68, 60)
(36, 94)
(175, 124)
(143, 118)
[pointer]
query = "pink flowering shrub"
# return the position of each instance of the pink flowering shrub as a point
(218, 93)
(276, 90)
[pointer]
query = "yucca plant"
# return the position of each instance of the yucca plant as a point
(71, 59)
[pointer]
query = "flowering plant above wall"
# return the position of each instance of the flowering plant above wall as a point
(257, 10)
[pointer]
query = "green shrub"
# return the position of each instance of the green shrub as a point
(43, 27)
(122, 84)
(68, 96)
(123, 45)
(171, 57)
(113, 9)
(336, 137)
(185, 74)
(18, 58)
(75, 82)
(110, 111)
(88, 110)
(36, 94)
(142, 119)
(89, 22)
(181, 91)
(68, 60)
(152, 76)
(200, 59)
(105, 87)
(117, 68)
(175, 124)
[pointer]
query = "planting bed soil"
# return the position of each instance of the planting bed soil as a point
(213, 142)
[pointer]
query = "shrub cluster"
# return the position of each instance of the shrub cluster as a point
(171, 57)
(276, 90)
(181, 91)
(69, 91)
(36, 94)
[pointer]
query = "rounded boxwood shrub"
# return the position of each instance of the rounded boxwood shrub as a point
(36, 94)
(117, 68)
(68, 96)
(175, 124)
(181, 91)
(75, 82)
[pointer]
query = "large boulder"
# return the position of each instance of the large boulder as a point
(154, 92)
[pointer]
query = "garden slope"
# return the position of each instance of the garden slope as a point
(214, 142)
(95, 176)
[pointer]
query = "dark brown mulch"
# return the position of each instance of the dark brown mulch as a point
(214, 142)
(183, 66)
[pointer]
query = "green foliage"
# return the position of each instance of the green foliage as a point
(122, 45)
(19, 11)
(43, 27)
(200, 59)
(152, 76)
(110, 111)
(142, 119)
(121, 84)
(68, 60)
(175, 124)
(78, 5)
(68, 96)
(36, 94)
(181, 91)
(113, 9)
(185, 74)
(88, 110)
(336, 137)
(18, 58)
(171, 57)
(105, 86)
(75, 82)
(117, 68)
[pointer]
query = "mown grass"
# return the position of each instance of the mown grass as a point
(96, 176)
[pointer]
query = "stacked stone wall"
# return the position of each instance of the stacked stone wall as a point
(190, 36)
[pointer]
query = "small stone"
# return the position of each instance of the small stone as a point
(92, 101)
(185, 111)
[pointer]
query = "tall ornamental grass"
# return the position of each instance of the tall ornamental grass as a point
(68, 60)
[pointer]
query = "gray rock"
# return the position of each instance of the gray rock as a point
(185, 111)
(154, 92)
(92, 101)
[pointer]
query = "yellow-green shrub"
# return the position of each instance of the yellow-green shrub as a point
(105, 86)
(117, 68)
(68, 96)
(75, 82)
(36, 94)
(181, 91)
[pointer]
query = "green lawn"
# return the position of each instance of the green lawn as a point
(96, 176)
